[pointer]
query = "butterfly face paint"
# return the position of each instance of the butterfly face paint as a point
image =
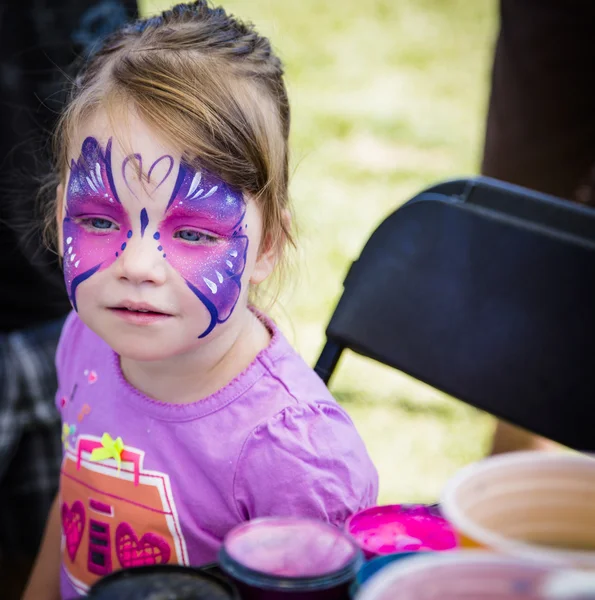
(200, 231)
(202, 237)
(96, 227)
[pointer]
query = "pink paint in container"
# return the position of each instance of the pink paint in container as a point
(281, 558)
(393, 528)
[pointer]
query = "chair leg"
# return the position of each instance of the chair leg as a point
(329, 357)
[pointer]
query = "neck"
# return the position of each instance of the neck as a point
(202, 371)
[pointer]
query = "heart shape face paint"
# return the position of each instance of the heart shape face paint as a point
(199, 230)
(132, 168)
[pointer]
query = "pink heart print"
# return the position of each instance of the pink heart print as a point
(73, 525)
(92, 377)
(151, 549)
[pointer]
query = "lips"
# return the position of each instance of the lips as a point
(140, 314)
(140, 307)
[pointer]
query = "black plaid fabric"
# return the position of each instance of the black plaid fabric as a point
(30, 442)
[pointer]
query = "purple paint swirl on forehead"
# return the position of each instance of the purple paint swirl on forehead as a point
(90, 191)
(213, 271)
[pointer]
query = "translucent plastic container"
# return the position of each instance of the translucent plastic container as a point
(538, 505)
(458, 575)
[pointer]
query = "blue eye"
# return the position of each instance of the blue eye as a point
(98, 223)
(190, 236)
(195, 237)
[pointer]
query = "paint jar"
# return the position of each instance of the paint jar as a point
(281, 558)
(458, 575)
(213, 568)
(393, 528)
(372, 566)
(163, 581)
(538, 505)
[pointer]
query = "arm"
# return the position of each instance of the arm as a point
(44, 583)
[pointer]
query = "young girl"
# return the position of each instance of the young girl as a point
(185, 411)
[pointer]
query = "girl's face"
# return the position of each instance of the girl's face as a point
(157, 256)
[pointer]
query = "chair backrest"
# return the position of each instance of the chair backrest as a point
(485, 291)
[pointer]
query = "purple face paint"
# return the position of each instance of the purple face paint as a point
(202, 238)
(144, 221)
(96, 225)
(201, 233)
(164, 165)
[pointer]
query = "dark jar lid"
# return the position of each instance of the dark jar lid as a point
(289, 553)
(152, 582)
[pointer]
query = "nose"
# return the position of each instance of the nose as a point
(140, 262)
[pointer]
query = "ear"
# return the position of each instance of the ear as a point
(270, 253)
(266, 262)
(60, 210)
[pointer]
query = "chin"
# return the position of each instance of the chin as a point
(140, 354)
(145, 349)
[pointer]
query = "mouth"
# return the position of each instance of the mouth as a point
(140, 313)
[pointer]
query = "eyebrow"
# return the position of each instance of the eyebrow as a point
(96, 198)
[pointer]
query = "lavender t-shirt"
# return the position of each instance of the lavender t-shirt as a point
(145, 482)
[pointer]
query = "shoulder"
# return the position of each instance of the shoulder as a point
(294, 395)
(288, 376)
(302, 455)
(307, 458)
(314, 434)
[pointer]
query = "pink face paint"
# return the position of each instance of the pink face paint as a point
(400, 528)
(93, 211)
(212, 269)
(96, 227)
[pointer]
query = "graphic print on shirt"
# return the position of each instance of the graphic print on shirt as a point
(115, 514)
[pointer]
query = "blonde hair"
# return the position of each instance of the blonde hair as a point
(211, 86)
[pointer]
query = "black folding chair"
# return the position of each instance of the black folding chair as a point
(485, 291)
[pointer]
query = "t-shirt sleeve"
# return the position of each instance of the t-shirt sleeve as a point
(305, 461)
(66, 346)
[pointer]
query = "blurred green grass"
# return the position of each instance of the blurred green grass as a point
(387, 97)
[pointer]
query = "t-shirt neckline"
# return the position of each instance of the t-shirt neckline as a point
(167, 411)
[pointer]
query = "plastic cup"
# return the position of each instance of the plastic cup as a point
(383, 530)
(162, 581)
(275, 558)
(458, 575)
(528, 504)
